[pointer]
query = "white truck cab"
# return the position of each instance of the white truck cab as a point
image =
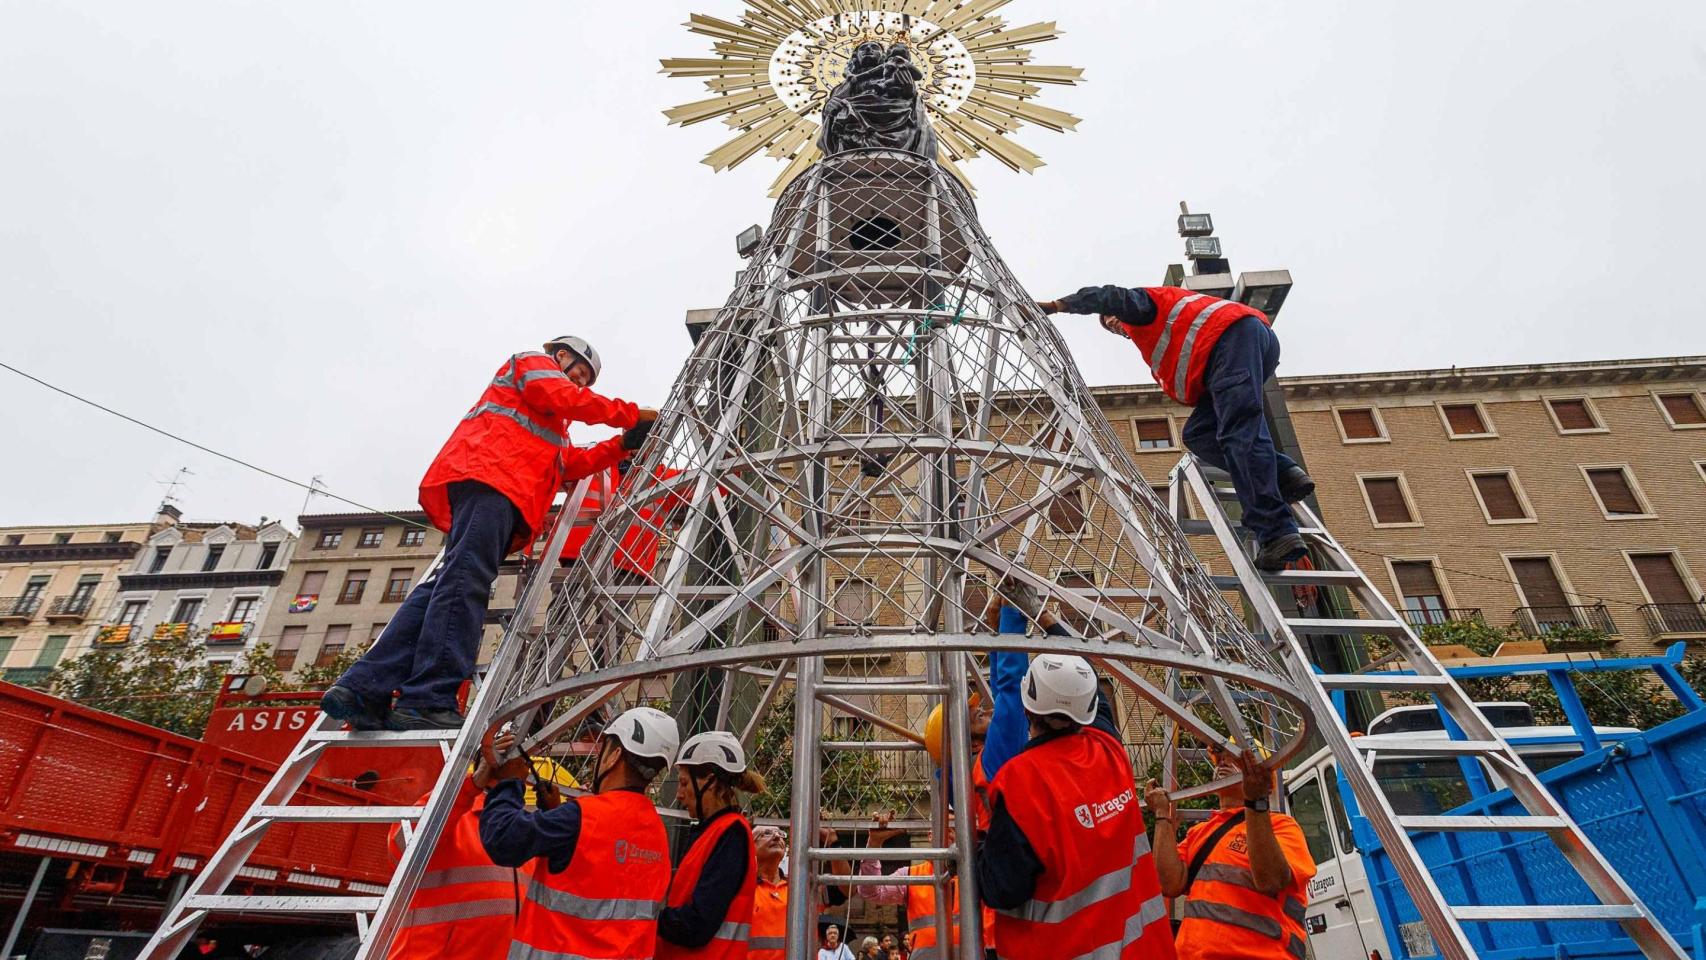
(1342, 919)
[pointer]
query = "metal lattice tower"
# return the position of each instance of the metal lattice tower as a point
(878, 426)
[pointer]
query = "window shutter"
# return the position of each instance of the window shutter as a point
(312, 581)
(1066, 514)
(1659, 575)
(1465, 419)
(1359, 424)
(1684, 408)
(1416, 579)
(1154, 434)
(1539, 582)
(1498, 493)
(1573, 414)
(1386, 497)
(1614, 491)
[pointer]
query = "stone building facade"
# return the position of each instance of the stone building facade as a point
(56, 582)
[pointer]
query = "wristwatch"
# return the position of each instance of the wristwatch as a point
(1259, 805)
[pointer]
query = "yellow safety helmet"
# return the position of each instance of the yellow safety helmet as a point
(555, 773)
(933, 730)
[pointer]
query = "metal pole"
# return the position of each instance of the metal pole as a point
(24, 908)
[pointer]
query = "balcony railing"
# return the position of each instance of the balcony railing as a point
(72, 607)
(19, 608)
(26, 676)
(1665, 619)
(1539, 621)
(1434, 618)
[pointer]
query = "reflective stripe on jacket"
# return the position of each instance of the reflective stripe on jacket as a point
(1176, 346)
(605, 904)
(921, 916)
(515, 440)
(1224, 916)
(465, 904)
(638, 550)
(730, 940)
(1098, 897)
(769, 921)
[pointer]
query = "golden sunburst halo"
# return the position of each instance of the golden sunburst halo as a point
(775, 66)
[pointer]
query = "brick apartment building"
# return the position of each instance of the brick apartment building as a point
(1543, 495)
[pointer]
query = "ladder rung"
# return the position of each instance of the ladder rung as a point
(382, 738)
(227, 903)
(1550, 911)
(1196, 528)
(883, 853)
(330, 814)
(1434, 748)
(1313, 578)
(1331, 626)
(1380, 681)
(1495, 824)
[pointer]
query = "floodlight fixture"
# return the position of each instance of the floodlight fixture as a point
(1195, 225)
(1218, 284)
(1202, 248)
(747, 243)
(1265, 290)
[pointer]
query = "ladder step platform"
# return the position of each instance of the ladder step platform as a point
(1380, 681)
(1478, 824)
(329, 814)
(227, 903)
(383, 738)
(1312, 578)
(1333, 626)
(1549, 911)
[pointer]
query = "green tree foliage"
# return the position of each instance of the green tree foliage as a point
(168, 683)
(852, 780)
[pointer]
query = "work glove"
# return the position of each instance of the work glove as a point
(1022, 596)
(635, 437)
(1049, 306)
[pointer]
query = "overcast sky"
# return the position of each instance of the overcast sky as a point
(306, 233)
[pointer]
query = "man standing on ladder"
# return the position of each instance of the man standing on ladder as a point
(1214, 355)
(1063, 817)
(1244, 873)
(488, 490)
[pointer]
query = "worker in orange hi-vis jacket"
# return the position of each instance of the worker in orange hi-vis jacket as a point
(465, 905)
(489, 489)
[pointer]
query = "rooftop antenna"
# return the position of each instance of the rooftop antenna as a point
(173, 484)
(316, 484)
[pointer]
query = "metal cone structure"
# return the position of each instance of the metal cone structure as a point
(877, 428)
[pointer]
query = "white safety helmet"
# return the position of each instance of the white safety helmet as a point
(646, 732)
(717, 748)
(1061, 685)
(580, 348)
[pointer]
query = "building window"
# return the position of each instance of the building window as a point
(1663, 580)
(1418, 586)
(211, 561)
(1574, 415)
(1154, 433)
(329, 540)
(371, 537)
(289, 645)
(1543, 593)
(52, 649)
(337, 637)
(269, 553)
(1615, 490)
(1388, 500)
(412, 538)
(243, 609)
(1164, 493)
(14, 539)
(1501, 499)
(159, 562)
(397, 587)
(1361, 425)
(1683, 411)
(113, 536)
(1465, 420)
(855, 602)
(187, 610)
(308, 594)
(1069, 513)
(1074, 580)
(131, 615)
(355, 584)
(62, 538)
(373, 633)
(6, 644)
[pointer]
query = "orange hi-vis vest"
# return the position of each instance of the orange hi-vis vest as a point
(605, 904)
(730, 940)
(1176, 346)
(921, 916)
(1224, 916)
(769, 920)
(637, 552)
(979, 796)
(465, 904)
(598, 494)
(515, 440)
(1075, 800)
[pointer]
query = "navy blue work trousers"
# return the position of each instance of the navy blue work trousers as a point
(428, 648)
(1228, 430)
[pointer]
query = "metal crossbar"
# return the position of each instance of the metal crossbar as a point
(1411, 668)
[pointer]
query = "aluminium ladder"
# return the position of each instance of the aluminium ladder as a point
(1410, 668)
(377, 918)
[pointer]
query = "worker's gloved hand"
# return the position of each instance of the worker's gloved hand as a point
(1049, 306)
(547, 794)
(1022, 597)
(635, 437)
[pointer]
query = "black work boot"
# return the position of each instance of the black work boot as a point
(342, 703)
(412, 718)
(1276, 553)
(1295, 484)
